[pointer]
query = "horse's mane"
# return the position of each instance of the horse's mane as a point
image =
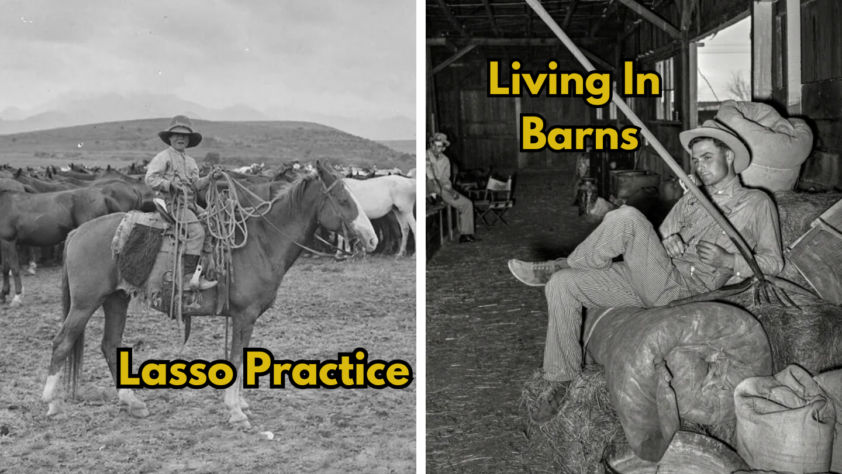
(292, 192)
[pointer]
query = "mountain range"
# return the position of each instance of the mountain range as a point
(72, 110)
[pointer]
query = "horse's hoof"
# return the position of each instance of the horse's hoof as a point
(242, 424)
(55, 411)
(17, 302)
(139, 411)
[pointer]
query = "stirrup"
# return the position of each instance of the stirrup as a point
(199, 283)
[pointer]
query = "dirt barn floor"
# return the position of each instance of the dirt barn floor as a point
(486, 330)
(322, 308)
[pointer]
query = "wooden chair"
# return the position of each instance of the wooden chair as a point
(493, 201)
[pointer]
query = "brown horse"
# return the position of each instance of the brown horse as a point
(91, 279)
(44, 220)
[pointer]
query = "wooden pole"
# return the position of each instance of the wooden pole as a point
(761, 50)
(451, 60)
(691, 186)
(651, 17)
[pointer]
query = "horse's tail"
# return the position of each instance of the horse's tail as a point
(73, 364)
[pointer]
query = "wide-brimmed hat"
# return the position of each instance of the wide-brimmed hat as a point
(714, 129)
(440, 137)
(181, 124)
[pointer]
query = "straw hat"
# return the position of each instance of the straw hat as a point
(714, 129)
(440, 137)
(181, 124)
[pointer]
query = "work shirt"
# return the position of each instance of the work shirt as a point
(169, 165)
(750, 211)
(438, 173)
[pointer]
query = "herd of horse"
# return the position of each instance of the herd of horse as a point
(83, 209)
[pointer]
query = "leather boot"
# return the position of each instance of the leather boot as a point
(193, 279)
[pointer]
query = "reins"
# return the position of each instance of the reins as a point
(226, 229)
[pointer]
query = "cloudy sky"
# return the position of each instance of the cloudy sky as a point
(724, 54)
(344, 58)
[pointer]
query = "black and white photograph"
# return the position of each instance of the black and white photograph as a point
(207, 236)
(634, 236)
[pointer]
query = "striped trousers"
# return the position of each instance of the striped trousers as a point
(645, 278)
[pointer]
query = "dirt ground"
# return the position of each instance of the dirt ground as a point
(486, 331)
(323, 307)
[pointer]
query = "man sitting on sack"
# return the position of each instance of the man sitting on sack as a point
(693, 255)
(173, 174)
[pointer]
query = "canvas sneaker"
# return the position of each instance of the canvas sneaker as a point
(536, 273)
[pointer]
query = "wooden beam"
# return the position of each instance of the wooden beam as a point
(452, 19)
(451, 60)
(666, 50)
(570, 10)
(631, 28)
(762, 23)
(608, 12)
(793, 56)
(491, 19)
(693, 121)
(529, 21)
(596, 59)
(651, 17)
(510, 41)
(432, 116)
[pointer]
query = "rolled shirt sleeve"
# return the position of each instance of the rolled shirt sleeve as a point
(156, 172)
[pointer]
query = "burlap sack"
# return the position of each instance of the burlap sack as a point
(784, 423)
(831, 383)
(666, 364)
(778, 146)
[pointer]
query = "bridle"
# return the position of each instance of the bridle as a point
(344, 223)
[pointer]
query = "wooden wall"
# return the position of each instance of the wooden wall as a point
(821, 75)
(483, 130)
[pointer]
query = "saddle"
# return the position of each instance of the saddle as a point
(148, 250)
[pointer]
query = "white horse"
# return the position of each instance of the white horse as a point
(379, 196)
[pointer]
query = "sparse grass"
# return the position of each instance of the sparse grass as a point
(318, 313)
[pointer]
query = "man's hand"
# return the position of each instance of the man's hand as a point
(453, 193)
(714, 255)
(674, 245)
(216, 173)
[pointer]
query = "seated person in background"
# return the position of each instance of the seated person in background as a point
(438, 182)
(692, 256)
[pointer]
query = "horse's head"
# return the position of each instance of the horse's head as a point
(342, 209)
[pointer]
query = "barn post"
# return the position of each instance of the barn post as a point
(793, 56)
(761, 49)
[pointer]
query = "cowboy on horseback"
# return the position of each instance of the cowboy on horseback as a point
(174, 174)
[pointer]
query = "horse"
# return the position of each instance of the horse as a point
(90, 279)
(44, 220)
(385, 194)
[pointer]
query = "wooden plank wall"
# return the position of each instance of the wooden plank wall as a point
(821, 75)
(483, 130)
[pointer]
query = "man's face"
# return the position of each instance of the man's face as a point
(711, 163)
(179, 141)
(438, 147)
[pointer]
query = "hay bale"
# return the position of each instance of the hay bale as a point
(574, 441)
(587, 422)
(798, 210)
(811, 338)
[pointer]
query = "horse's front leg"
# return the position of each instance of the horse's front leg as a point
(243, 327)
